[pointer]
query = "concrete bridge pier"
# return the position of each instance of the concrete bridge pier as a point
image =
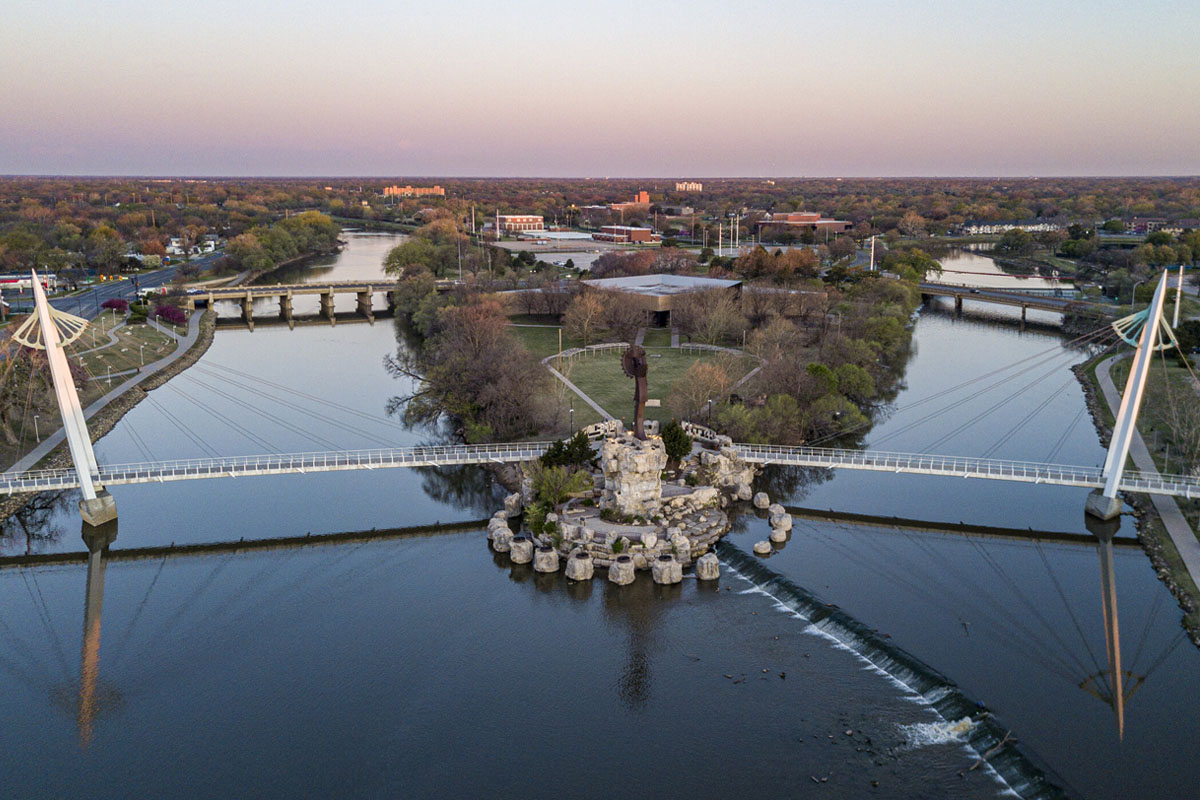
(391, 302)
(327, 306)
(958, 305)
(364, 305)
(285, 309)
(189, 304)
(248, 309)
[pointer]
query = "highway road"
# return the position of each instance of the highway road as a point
(87, 304)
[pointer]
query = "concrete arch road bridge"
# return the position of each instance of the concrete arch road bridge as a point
(363, 291)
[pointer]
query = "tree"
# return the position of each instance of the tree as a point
(416, 252)
(912, 224)
(710, 316)
(676, 442)
(472, 369)
(623, 316)
(585, 317)
(1015, 242)
(105, 248)
(911, 263)
(703, 381)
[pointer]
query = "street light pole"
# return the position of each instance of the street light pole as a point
(36, 432)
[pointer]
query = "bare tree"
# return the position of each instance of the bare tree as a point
(585, 317)
(710, 316)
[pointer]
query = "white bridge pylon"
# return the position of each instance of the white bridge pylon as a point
(1104, 503)
(51, 330)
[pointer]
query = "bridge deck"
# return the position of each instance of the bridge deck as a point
(1008, 297)
(830, 458)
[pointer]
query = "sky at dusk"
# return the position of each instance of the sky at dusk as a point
(703, 89)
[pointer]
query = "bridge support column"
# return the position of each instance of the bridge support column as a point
(391, 302)
(248, 309)
(958, 305)
(1024, 308)
(190, 303)
(1104, 503)
(327, 306)
(285, 308)
(364, 305)
(97, 506)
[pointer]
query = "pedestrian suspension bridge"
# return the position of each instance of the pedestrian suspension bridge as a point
(51, 330)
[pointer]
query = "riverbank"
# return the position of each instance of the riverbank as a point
(103, 418)
(1152, 532)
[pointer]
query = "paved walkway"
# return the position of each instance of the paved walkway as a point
(1177, 526)
(50, 442)
(641, 337)
(674, 337)
(603, 414)
(112, 339)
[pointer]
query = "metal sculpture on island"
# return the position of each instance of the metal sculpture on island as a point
(52, 330)
(634, 364)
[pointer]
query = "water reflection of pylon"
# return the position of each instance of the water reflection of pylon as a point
(92, 697)
(1116, 685)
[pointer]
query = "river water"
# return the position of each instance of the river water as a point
(417, 664)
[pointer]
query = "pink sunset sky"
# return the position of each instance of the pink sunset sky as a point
(600, 89)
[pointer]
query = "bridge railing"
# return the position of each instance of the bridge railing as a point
(319, 459)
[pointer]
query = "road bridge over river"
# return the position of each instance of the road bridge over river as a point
(1043, 300)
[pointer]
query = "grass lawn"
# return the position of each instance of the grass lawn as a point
(600, 375)
(133, 343)
(601, 378)
(543, 342)
(121, 356)
(657, 337)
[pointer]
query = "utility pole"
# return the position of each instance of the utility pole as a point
(872, 267)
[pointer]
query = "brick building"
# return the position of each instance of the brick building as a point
(413, 191)
(805, 219)
(626, 234)
(640, 203)
(519, 223)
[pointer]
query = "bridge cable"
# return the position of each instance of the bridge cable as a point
(19, 643)
(358, 431)
(967, 579)
(1020, 639)
(270, 417)
(1026, 419)
(1146, 628)
(1062, 440)
(240, 592)
(974, 395)
(1044, 356)
(316, 399)
(44, 616)
(990, 561)
(120, 648)
(370, 437)
(1005, 438)
(260, 441)
(203, 445)
(1070, 612)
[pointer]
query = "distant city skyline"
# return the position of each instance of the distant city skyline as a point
(700, 90)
